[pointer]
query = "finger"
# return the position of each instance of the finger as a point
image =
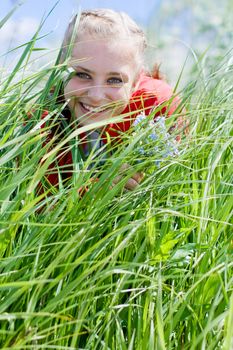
(116, 180)
(138, 176)
(131, 184)
(124, 166)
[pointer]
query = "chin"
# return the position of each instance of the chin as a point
(86, 122)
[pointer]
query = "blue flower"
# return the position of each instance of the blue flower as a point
(155, 141)
(139, 119)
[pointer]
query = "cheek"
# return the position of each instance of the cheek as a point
(73, 89)
(68, 90)
(123, 94)
(69, 94)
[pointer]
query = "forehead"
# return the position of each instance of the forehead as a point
(104, 51)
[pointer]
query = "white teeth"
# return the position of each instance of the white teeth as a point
(91, 109)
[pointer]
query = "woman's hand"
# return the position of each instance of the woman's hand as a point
(133, 181)
(130, 185)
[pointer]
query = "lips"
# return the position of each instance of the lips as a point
(96, 109)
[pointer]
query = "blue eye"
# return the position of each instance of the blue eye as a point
(82, 75)
(115, 81)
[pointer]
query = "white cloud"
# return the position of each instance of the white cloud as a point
(16, 32)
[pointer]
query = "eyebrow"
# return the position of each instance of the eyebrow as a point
(91, 72)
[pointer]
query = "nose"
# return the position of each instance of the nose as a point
(97, 93)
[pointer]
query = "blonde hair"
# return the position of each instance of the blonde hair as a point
(105, 24)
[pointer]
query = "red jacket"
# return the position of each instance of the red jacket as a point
(149, 93)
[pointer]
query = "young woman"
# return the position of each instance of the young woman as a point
(104, 52)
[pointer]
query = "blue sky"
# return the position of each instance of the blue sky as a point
(27, 17)
(174, 24)
(23, 24)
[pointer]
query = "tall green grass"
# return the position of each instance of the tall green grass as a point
(116, 269)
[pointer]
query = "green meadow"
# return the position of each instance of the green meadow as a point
(145, 269)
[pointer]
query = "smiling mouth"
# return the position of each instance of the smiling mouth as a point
(95, 109)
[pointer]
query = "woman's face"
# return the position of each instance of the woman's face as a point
(103, 80)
